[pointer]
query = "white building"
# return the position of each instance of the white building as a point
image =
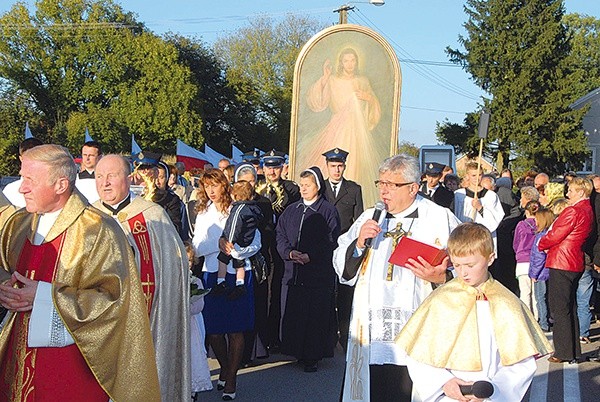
(591, 126)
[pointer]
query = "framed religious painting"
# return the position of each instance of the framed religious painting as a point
(346, 95)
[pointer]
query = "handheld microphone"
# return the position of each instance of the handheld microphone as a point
(379, 208)
(479, 389)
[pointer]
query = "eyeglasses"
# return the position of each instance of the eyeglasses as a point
(390, 185)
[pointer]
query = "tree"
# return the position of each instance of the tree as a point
(408, 148)
(518, 52)
(84, 63)
(226, 120)
(463, 137)
(259, 61)
(14, 113)
(584, 32)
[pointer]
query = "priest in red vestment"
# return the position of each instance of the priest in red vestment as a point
(78, 327)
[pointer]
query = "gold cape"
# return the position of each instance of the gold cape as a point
(97, 294)
(443, 331)
(6, 209)
(169, 315)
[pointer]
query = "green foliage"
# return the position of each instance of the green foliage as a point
(84, 63)
(408, 148)
(520, 53)
(463, 137)
(13, 112)
(225, 119)
(259, 61)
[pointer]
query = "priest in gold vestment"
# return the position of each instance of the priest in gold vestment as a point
(6, 209)
(163, 268)
(78, 327)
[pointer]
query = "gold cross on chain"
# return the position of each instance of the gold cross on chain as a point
(396, 235)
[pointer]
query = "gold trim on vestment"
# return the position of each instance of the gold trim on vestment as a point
(441, 332)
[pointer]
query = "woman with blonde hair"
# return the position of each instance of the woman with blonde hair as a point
(565, 258)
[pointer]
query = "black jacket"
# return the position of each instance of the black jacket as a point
(242, 222)
(349, 202)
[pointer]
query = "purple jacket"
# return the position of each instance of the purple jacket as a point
(523, 239)
(537, 261)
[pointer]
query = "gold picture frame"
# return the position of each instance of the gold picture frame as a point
(346, 94)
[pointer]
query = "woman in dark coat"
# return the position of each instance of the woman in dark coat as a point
(307, 234)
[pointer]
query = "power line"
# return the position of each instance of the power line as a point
(431, 110)
(419, 68)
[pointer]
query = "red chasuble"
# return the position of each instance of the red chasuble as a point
(44, 374)
(139, 230)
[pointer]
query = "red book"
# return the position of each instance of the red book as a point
(411, 248)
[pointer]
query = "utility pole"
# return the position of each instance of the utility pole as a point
(343, 11)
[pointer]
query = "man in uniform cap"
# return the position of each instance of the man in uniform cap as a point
(148, 168)
(281, 193)
(346, 196)
(432, 189)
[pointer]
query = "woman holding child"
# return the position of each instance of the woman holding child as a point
(223, 315)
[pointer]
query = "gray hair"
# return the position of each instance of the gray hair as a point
(489, 177)
(57, 158)
(530, 193)
(180, 166)
(407, 166)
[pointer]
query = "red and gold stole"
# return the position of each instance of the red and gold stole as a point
(139, 230)
(47, 373)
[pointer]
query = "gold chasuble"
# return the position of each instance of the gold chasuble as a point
(443, 331)
(96, 292)
(6, 209)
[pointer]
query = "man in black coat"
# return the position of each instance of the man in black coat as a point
(281, 193)
(346, 196)
(432, 189)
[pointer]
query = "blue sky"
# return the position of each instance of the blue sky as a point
(418, 30)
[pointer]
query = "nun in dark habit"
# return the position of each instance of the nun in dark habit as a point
(307, 233)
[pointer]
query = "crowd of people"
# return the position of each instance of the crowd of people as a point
(239, 262)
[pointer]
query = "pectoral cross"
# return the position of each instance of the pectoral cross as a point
(396, 235)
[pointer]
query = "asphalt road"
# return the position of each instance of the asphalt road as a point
(280, 378)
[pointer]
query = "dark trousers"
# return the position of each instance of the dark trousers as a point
(562, 293)
(274, 319)
(261, 297)
(389, 383)
(344, 297)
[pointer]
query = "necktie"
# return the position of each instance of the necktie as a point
(429, 193)
(334, 186)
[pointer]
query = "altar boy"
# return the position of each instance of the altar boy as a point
(472, 329)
